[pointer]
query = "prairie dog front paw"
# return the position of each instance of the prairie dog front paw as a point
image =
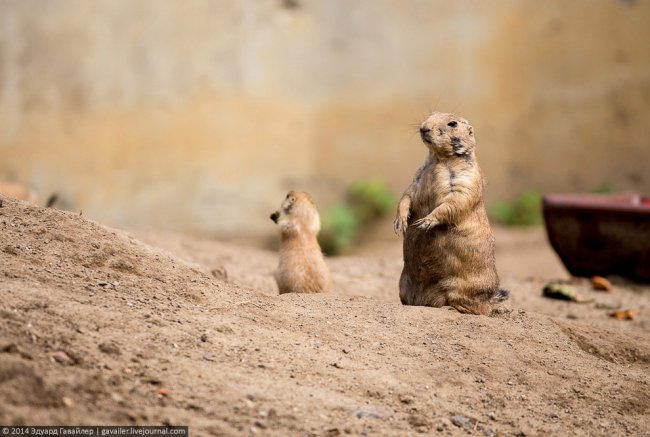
(426, 223)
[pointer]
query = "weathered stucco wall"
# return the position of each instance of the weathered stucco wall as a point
(199, 115)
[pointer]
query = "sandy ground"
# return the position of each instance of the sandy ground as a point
(98, 326)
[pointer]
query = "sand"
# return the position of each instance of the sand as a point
(101, 326)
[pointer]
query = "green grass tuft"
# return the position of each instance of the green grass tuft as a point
(525, 210)
(366, 201)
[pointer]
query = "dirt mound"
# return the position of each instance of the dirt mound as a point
(609, 345)
(100, 328)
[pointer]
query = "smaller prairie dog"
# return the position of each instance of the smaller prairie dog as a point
(302, 268)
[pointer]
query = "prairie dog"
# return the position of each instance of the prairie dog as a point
(448, 244)
(302, 268)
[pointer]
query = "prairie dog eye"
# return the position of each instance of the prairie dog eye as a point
(452, 124)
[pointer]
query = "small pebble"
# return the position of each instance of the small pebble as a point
(110, 348)
(417, 421)
(260, 424)
(208, 356)
(462, 422)
(371, 413)
(61, 357)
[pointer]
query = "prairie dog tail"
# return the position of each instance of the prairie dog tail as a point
(501, 295)
(51, 200)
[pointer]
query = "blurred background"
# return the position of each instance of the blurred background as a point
(199, 115)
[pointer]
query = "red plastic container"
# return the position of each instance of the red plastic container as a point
(600, 234)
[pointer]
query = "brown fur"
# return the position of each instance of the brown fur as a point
(302, 268)
(448, 243)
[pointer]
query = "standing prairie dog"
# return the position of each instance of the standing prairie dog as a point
(302, 268)
(448, 243)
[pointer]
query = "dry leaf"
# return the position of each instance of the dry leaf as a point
(560, 291)
(600, 283)
(628, 314)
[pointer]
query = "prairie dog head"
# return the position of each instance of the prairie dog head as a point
(447, 135)
(297, 214)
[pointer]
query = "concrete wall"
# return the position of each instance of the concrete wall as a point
(199, 115)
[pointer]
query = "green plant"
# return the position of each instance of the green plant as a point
(370, 199)
(605, 188)
(365, 202)
(339, 225)
(524, 210)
